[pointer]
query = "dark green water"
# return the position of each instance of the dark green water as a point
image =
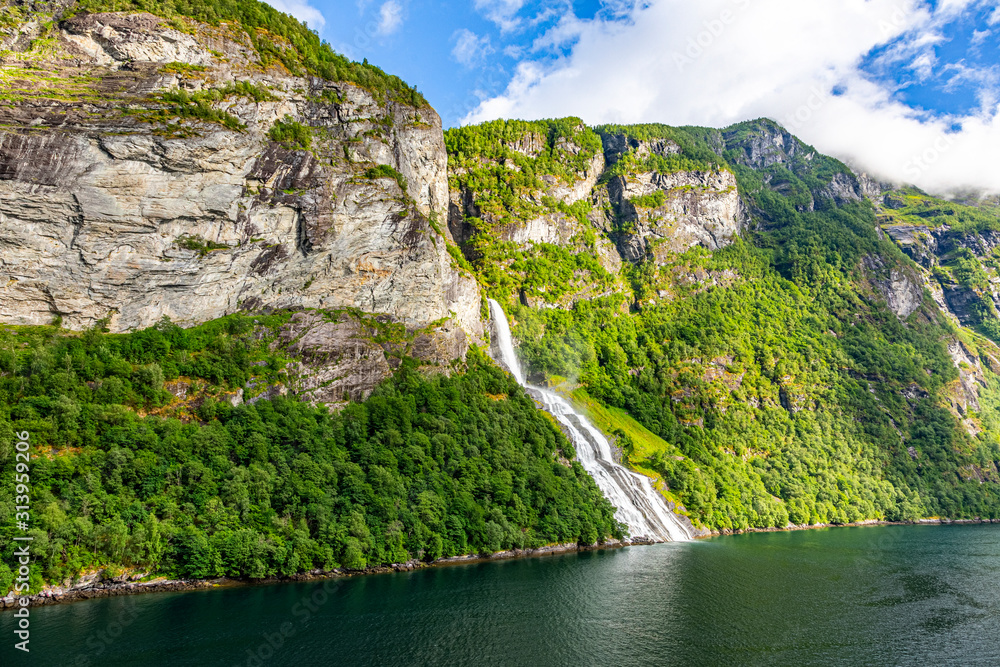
(851, 596)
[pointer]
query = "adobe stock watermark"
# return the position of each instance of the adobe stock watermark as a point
(98, 642)
(364, 35)
(22, 552)
(478, 92)
(303, 610)
(895, 23)
(713, 30)
(816, 100)
(917, 165)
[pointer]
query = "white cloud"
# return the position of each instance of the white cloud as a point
(949, 9)
(470, 48)
(501, 12)
(566, 31)
(923, 65)
(390, 17)
(302, 10)
(984, 78)
(513, 51)
(717, 62)
(994, 17)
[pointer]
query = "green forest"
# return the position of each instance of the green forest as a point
(765, 383)
(789, 393)
(504, 164)
(425, 468)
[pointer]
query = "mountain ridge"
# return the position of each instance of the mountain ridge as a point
(803, 344)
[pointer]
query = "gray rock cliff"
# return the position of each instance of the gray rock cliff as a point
(118, 201)
(698, 208)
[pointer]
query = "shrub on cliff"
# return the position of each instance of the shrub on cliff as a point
(275, 36)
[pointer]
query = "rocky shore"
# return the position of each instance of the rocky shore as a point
(95, 585)
(870, 522)
(108, 588)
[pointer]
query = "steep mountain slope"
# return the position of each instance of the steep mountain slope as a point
(154, 168)
(777, 342)
(171, 167)
(743, 314)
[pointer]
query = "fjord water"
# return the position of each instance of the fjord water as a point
(897, 595)
(638, 505)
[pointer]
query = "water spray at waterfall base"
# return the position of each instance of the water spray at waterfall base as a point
(638, 505)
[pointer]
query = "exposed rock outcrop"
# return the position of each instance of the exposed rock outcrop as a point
(763, 144)
(695, 208)
(579, 188)
(617, 145)
(337, 360)
(934, 249)
(871, 187)
(118, 206)
(558, 204)
(769, 144)
(842, 189)
(963, 395)
(925, 244)
(342, 357)
(900, 286)
(917, 241)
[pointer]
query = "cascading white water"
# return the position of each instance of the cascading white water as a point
(639, 506)
(505, 343)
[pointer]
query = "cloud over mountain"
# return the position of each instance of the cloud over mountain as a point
(833, 71)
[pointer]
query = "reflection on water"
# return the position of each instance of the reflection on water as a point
(854, 596)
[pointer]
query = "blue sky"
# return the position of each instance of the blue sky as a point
(455, 52)
(906, 89)
(950, 76)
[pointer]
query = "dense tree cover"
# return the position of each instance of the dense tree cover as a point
(275, 36)
(913, 206)
(426, 467)
(630, 163)
(699, 149)
(509, 167)
(784, 387)
(293, 134)
(559, 147)
(550, 271)
(504, 162)
(792, 429)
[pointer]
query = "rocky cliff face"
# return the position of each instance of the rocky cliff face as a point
(900, 286)
(557, 227)
(695, 208)
(538, 223)
(611, 206)
(523, 201)
(659, 215)
(773, 152)
(957, 260)
(149, 172)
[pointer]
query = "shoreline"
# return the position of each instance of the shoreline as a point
(857, 524)
(119, 587)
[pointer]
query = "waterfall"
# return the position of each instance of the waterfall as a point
(505, 343)
(638, 505)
